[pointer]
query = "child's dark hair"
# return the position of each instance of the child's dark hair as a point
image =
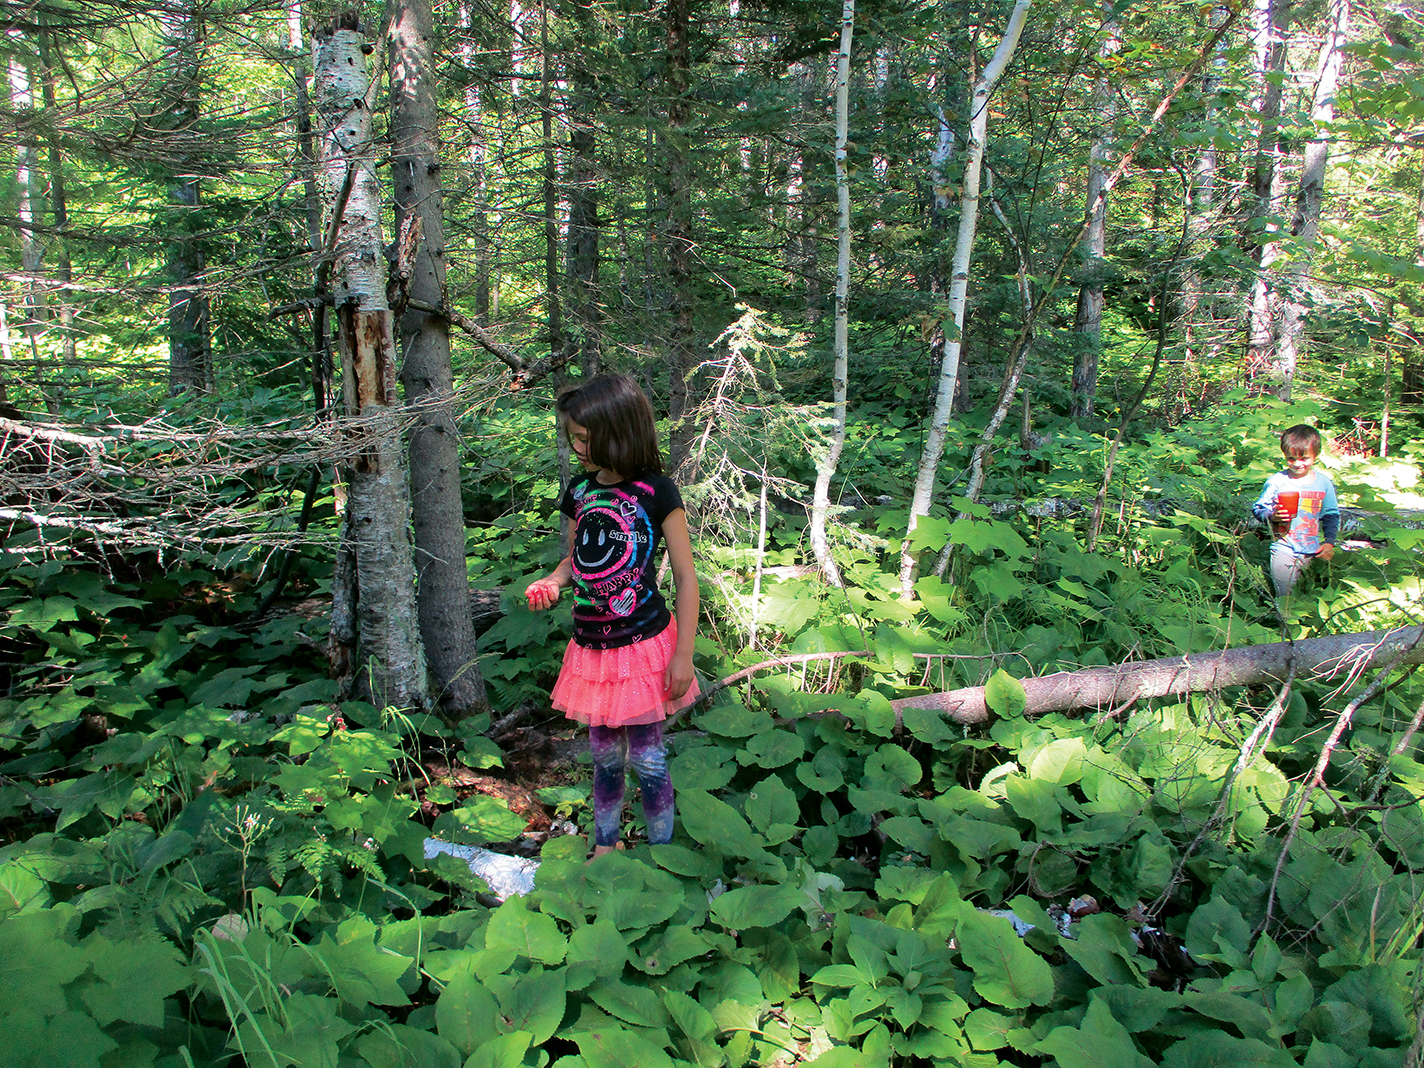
(1300, 436)
(622, 434)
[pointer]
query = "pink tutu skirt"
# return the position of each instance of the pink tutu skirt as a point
(620, 687)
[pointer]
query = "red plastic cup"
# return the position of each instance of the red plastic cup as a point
(1290, 501)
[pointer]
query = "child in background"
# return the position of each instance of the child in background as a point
(1300, 505)
(629, 665)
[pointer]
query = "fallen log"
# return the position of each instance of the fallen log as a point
(1335, 656)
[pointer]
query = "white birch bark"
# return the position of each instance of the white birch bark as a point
(959, 286)
(375, 639)
(1270, 21)
(27, 208)
(1305, 227)
(826, 464)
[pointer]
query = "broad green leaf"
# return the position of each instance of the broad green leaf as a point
(891, 767)
(311, 1038)
(135, 976)
(756, 906)
(771, 803)
(38, 960)
(1006, 972)
(533, 1004)
(465, 1014)
(1004, 694)
(717, 824)
(532, 934)
(35, 1040)
(665, 951)
(1217, 931)
(1101, 1042)
(703, 767)
(1217, 1049)
(601, 945)
(21, 889)
(616, 1047)
(401, 1046)
(773, 749)
(631, 1003)
(1105, 950)
(1060, 761)
(362, 972)
(504, 1051)
(1250, 1017)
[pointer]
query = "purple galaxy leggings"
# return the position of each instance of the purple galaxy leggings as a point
(613, 749)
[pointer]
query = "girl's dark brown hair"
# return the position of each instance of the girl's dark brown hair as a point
(622, 434)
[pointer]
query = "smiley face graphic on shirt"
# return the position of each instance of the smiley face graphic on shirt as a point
(612, 547)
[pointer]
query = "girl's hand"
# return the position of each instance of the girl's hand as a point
(1326, 552)
(677, 679)
(1280, 515)
(542, 593)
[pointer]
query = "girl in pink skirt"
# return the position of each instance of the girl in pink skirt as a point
(629, 665)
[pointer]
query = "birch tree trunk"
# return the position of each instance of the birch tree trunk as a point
(1118, 685)
(27, 211)
(443, 585)
(959, 285)
(826, 464)
(375, 639)
(1088, 320)
(1271, 21)
(1305, 227)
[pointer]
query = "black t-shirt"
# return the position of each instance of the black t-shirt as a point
(617, 531)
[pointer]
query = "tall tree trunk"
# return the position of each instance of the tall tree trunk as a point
(1305, 226)
(321, 362)
(678, 234)
(27, 210)
(1088, 320)
(59, 210)
(443, 584)
(552, 304)
(585, 233)
(959, 285)
(190, 363)
(826, 465)
(477, 154)
(1270, 28)
(1201, 204)
(375, 638)
(1411, 370)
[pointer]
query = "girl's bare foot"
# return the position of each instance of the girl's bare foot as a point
(599, 850)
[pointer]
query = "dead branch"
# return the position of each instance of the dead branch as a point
(780, 661)
(1109, 687)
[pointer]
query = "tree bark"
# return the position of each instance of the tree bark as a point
(190, 360)
(678, 233)
(59, 209)
(585, 235)
(1088, 319)
(959, 286)
(375, 639)
(553, 304)
(1305, 226)
(1272, 19)
(443, 585)
(827, 463)
(1110, 689)
(27, 211)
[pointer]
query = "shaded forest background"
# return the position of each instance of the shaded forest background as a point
(971, 327)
